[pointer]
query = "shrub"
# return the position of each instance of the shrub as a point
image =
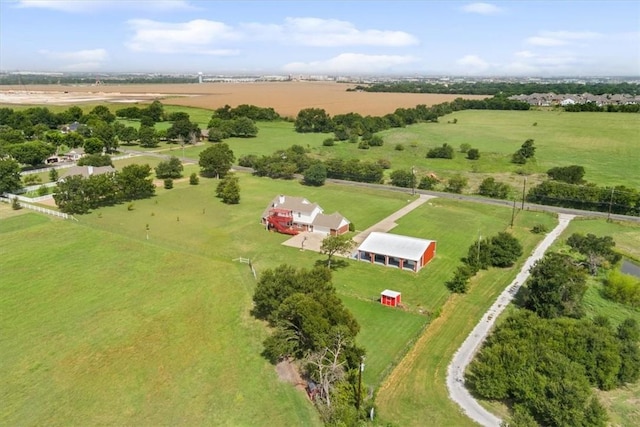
(363, 145)
(31, 179)
(376, 141)
(444, 152)
(53, 175)
(428, 182)
(539, 229)
(622, 288)
(386, 164)
(168, 184)
(193, 179)
(248, 161)
(15, 204)
(456, 184)
(491, 188)
(329, 142)
(399, 147)
(473, 154)
(465, 147)
(43, 190)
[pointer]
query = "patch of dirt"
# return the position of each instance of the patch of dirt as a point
(288, 372)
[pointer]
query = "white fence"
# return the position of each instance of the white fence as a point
(37, 208)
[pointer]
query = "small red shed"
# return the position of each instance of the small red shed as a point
(390, 298)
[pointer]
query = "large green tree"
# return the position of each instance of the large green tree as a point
(216, 161)
(135, 182)
(315, 175)
(229, 189)
(32, 153)
(556, 287)
(313, 120)
(9, 176)
(171, 168)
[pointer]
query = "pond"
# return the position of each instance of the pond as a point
(629, 267)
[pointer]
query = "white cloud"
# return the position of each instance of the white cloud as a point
(90, 55)
(197, 36)
(82, 6)
(351, 63)
(333, 32)
(473, 63)
(481, 9)
(561, 38)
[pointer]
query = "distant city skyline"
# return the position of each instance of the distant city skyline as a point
(515, 38)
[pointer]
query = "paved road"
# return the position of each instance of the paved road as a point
(455, 372)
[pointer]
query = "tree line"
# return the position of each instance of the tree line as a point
(501, 88)
(545, 358)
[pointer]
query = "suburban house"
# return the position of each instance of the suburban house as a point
(302, 215)
(74, 155)
(86, 171)
(394, 250)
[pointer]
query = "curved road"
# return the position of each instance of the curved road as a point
(455, 373)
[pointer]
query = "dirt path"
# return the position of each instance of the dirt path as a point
(455, 372)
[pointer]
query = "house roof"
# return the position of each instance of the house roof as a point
(87, 171)
(296, 204)
(332, 221)
(395, 245)
(390, 294)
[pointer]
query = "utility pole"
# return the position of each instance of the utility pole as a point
(513, 212)
(413, 181)
(524, 187)
(360, 382)
(610, 204)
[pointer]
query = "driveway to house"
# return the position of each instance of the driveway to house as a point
(313, 241)
(463, 356)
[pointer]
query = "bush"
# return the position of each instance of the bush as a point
(363, 145)
(248, 161)
(459, 283)
(444, 152)
(15, 204)
(31, 179)
(473, 154)
(386, 164)
(43, 190)
(622, 288)
(53, 175)
(168, 184)
(171, 168)
(465, 147)
(376, 141)
(456, 184)
(491, 188)
(428, 182)
(329, 142)
(399, 147)
(539, 229)
(193, 179)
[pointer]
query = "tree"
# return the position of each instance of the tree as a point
(93, 146)
(229, 189)
(134, 182)
(573, 174)
(244, 127)
(53, 175)
(128, 134)
(171, 168)
(70, 195)
(334, 245)
(32, 153)
(147, 137)
(103, 113)
(155, 111)
(492, 188)
(313, 120)
(183, 129)
(10, 181)
(556, 287)
(403, 178)
(505, 250)
(597, 250)
(107, 134)
(193, 179)
(526, 151)
(459, 283)
(456, 184)
(428, 182)
(216, 161)
(315, 175)
(95, 160)
(473, 154)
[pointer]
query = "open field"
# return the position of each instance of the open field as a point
(139, 347)
(287, 98)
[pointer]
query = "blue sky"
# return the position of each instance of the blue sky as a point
(514, 38)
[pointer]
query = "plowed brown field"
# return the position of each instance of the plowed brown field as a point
(287, 98)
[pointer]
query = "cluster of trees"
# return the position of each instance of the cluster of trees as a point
(619, 200)
(249, 111)
(227, 122)
(347, 125)
(544, 359)
(526, 152)
(88, 79)
(310, 324)
(609, 108)
(501, 88)
(78, 195)
(501, 250)
(444, 152)
(596, 252)
(546, 368)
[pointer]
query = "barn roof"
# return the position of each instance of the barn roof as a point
(395, 245)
